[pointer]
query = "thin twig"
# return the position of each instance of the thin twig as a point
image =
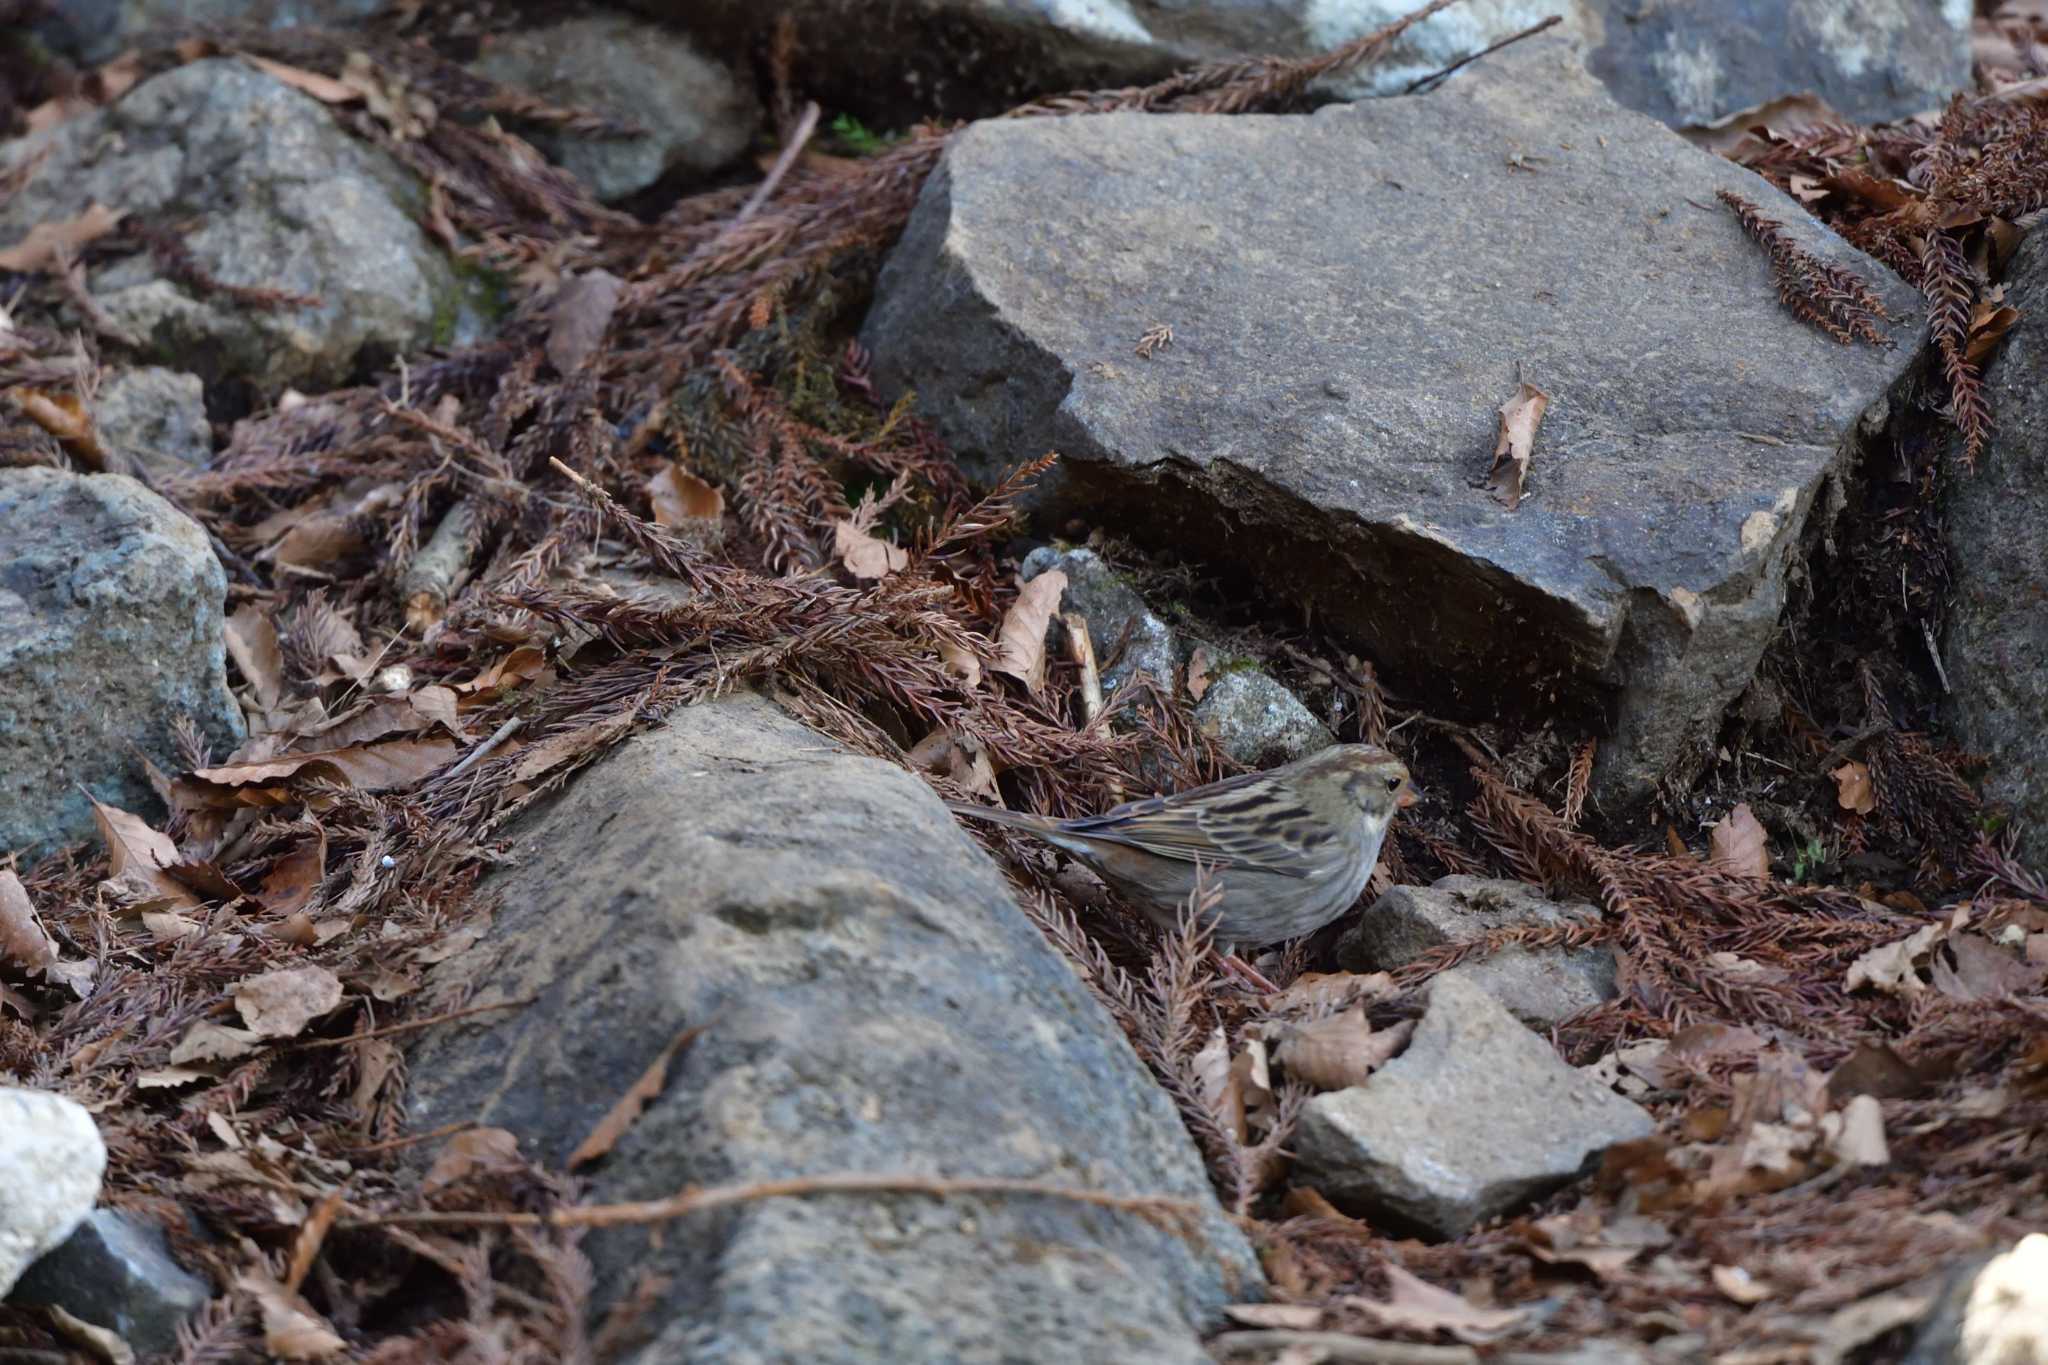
(1342, 1346)
(1184, 1211)
(483, 750)
(414, 1025)
(1435, 78)
(806, 125)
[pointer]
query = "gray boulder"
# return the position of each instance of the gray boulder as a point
(1478, 1117)
(697, 113)
(284, 199)
(110, 630)
(1683, 61)
(872, 1001)
(1540, 987)
(117, 1273)
(155, 418)
(1257, 721)
(1353, 296)
(1996, 653)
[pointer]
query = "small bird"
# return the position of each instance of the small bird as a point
(1291, 847)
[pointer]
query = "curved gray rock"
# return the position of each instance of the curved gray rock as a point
(117, 1272)
(1353, 295)
(110, 631)
(872, 1001)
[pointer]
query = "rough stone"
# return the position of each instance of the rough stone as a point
(1354, 293)
(155, 417)
(110, 630)
(284, 199)
(1697, 61)
(1678, 60)
(94, 31)
(1257, 721)
(697, 113)
(1475, 1119)
(873, 1001)
(1115, 613)
(51, 1158)
(1996, 651)
(117, 1273)
(1539, 987)
(1991, 1309)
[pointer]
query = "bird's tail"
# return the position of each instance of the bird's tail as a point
(1016, 819)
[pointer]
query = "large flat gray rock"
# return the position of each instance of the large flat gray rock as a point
(873, 1001)
(110, 633)
(1996, 652)
(1353, 294)
(1684, 61)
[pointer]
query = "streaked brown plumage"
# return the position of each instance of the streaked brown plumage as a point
(1291, 847)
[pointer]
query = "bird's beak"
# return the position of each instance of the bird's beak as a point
(1411, 795)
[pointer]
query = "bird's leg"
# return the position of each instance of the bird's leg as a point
(1233, 965)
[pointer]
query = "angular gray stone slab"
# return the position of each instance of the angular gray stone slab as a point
(1478, 1117)
(117, 1273)
(872, 1001)
(1540, 987)
(1996, 651)
(110, 633)
(1353, 295)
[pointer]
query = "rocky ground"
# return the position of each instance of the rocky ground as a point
(515, 518)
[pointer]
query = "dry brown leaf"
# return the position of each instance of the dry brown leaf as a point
(1739, 1285)
(473, 1149)
(214, 1043)
(291, 1329)
(366, 767)
(1198, 673)
(556, 750)
(312, 1234)
(1021, 640)
(962, 758)
(1972, 969)
(522, 665)
(1855, 1133)
(581, 313)
(102, 1343)
(280, 1004)
(138, 857)
(252, 643)
(682, 501)
(1340, 1050)
(326, 89)
(622, 1115)
(1331, 991)
(1415, 1305)
(168, 926)
(46, 242)
(961, 664)
(1890, 966)
(1783, 117)
(24, 941)
(1852, 788)
(294, 877)
(865, 554)
(1739, 845)
(1519, 418)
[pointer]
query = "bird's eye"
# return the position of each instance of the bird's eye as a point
(1393, 784)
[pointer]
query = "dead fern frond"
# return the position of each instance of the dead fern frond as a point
(1813, 290)
(1946, 280)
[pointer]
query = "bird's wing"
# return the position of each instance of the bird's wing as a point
(1198, 826)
